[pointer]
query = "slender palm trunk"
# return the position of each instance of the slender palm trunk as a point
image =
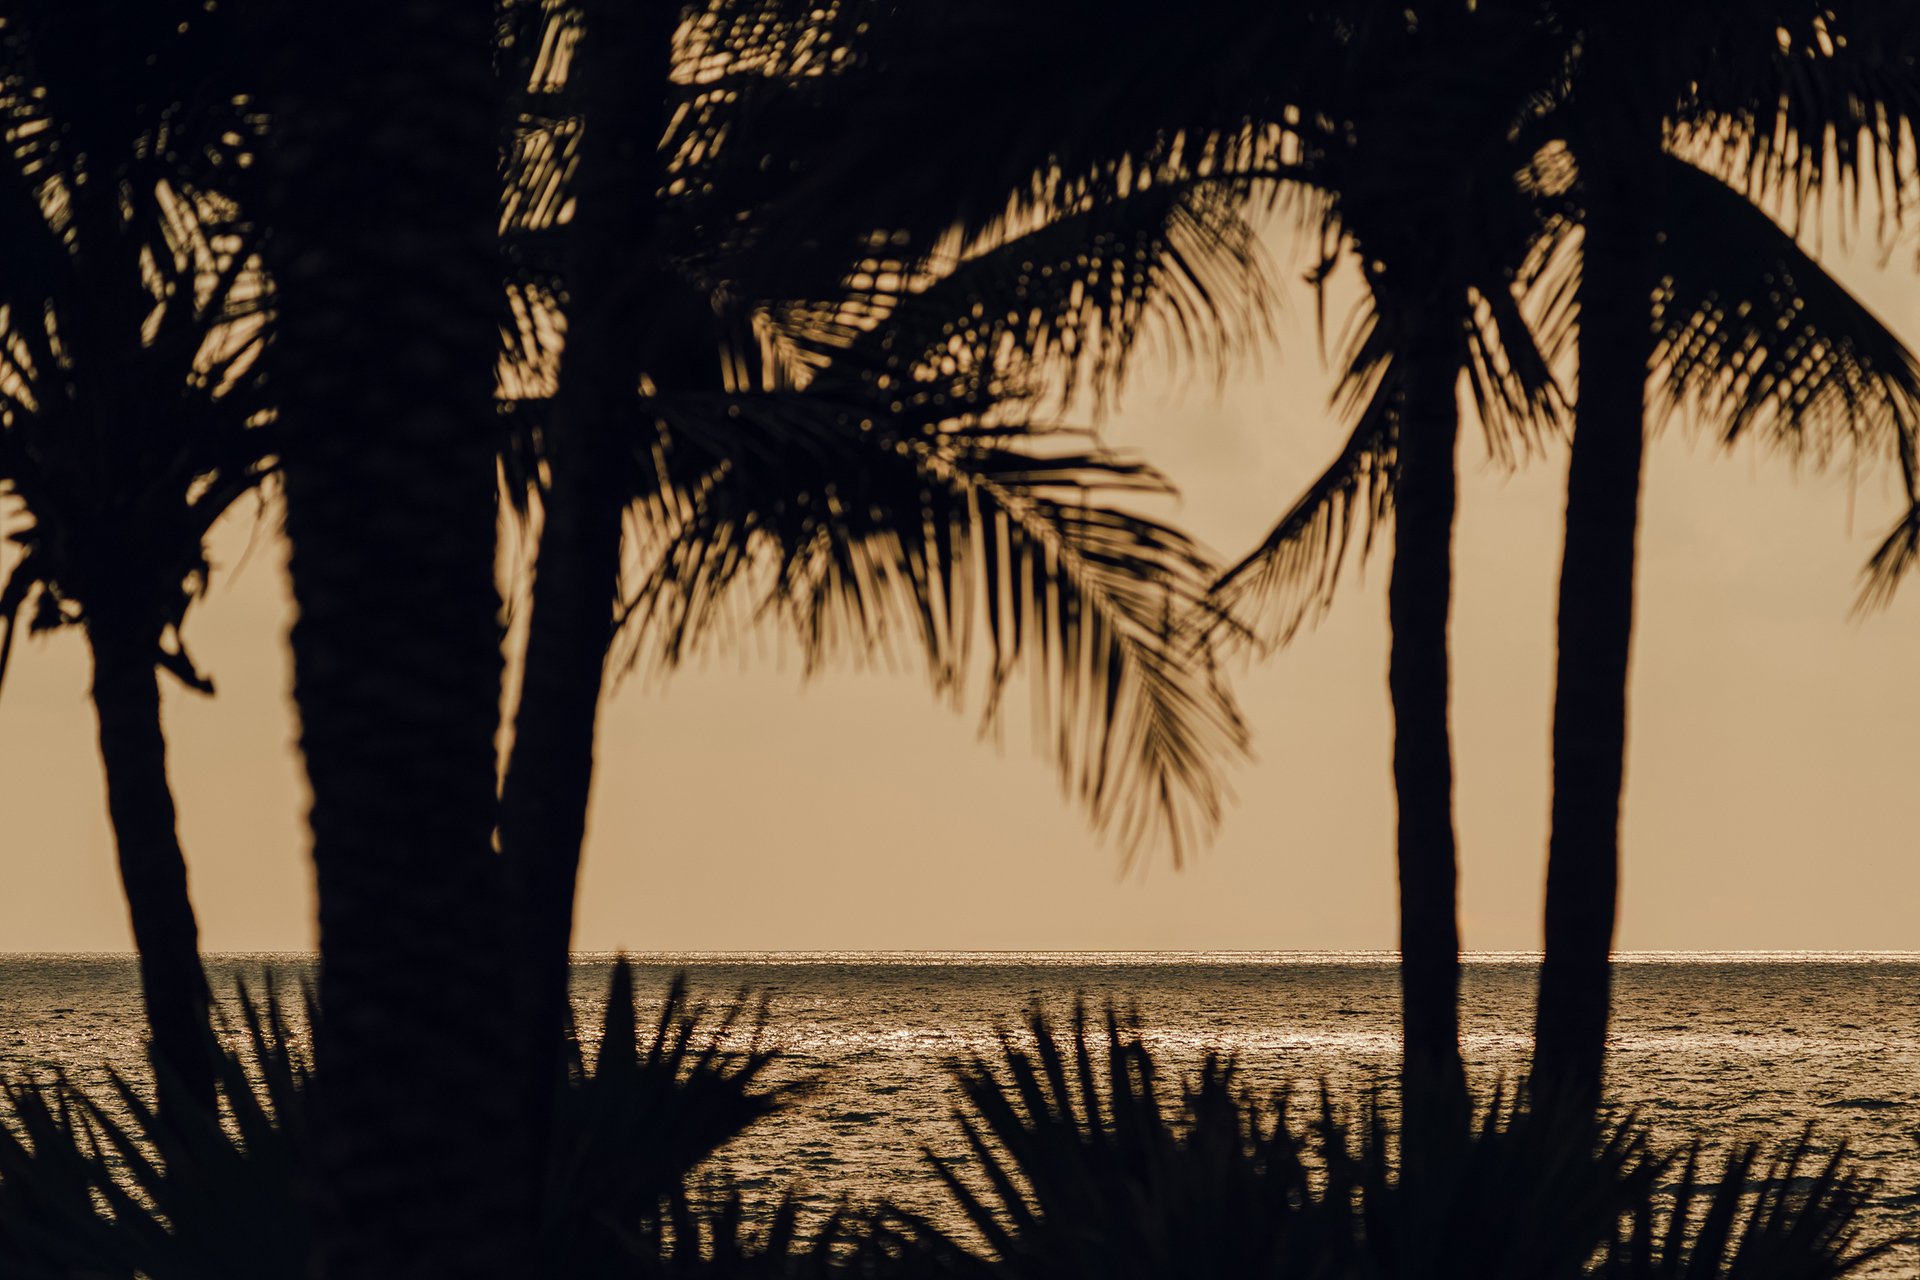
(153, 872)
(384, 253)
(1596, 624)
(620, 75)
(1433, 1082)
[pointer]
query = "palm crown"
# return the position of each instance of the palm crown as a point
(130, 412)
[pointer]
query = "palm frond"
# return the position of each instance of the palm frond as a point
(1066, 298)
(1798, 99)
(638, 1121)
(1793, 1214)
(1288, 581)
(133, 309)
(1897, 556)
(1085, 1157)
(1754, 337)
(858, 529)
(116, 1189)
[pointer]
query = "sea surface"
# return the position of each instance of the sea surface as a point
(1725, 1046)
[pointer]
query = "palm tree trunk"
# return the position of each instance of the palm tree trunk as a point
(620, 74)
(385, 258)
(1596, 624)
(153, 872)
(1433, 1082)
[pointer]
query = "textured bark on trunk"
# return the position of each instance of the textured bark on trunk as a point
(1433, 1082)
(620, 78)
(1596, 621)
(386, 199)
(153, 871)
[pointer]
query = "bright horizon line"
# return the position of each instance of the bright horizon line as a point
(859, 954)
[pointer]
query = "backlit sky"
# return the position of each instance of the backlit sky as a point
(1772, 758)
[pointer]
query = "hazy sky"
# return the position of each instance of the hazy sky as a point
(1772, 756)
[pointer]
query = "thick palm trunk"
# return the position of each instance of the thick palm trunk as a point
(1419, 598)
(153, 872)
(384, 253)
(1595, 625)
(620, 75)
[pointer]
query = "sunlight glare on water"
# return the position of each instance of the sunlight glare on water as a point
(1724, 1046)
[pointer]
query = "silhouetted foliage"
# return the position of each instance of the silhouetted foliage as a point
(1755, 1217)
(1788, 102)
(641, 1116)
(1084, 1156)
(111, 1188)
(107, 1187)
(132, 417)
(1084, 1159)
(798, 453)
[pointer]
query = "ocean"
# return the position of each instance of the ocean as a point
(1723, 1046)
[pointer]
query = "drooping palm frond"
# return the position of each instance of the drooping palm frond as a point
(762, 366)
(1754, 337)
(1064, 300)
(1289, 579)
(1897, 556)
(860, 530)
(1128, 208)
(1800, 97)
(965, 83)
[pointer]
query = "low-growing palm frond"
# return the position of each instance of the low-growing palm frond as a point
(115, 1187)
(638, 1120)
(1790, 1216)
(1085, 1157)
(49, 1166)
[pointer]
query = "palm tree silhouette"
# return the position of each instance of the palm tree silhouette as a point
(543, 805)
(130, 410)
(384, 209)
(1288, 103)
(712, 383)
(865, 504)
(1344, 119)
(1682, 277)
(1415, 150)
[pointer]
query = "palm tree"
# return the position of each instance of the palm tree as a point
(130, 413)
(1792, 99)
(1279, 83)
(712, 383)
(384, 215)
(1389, 135)
(543, 804)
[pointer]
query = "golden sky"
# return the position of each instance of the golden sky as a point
(1772, 757)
